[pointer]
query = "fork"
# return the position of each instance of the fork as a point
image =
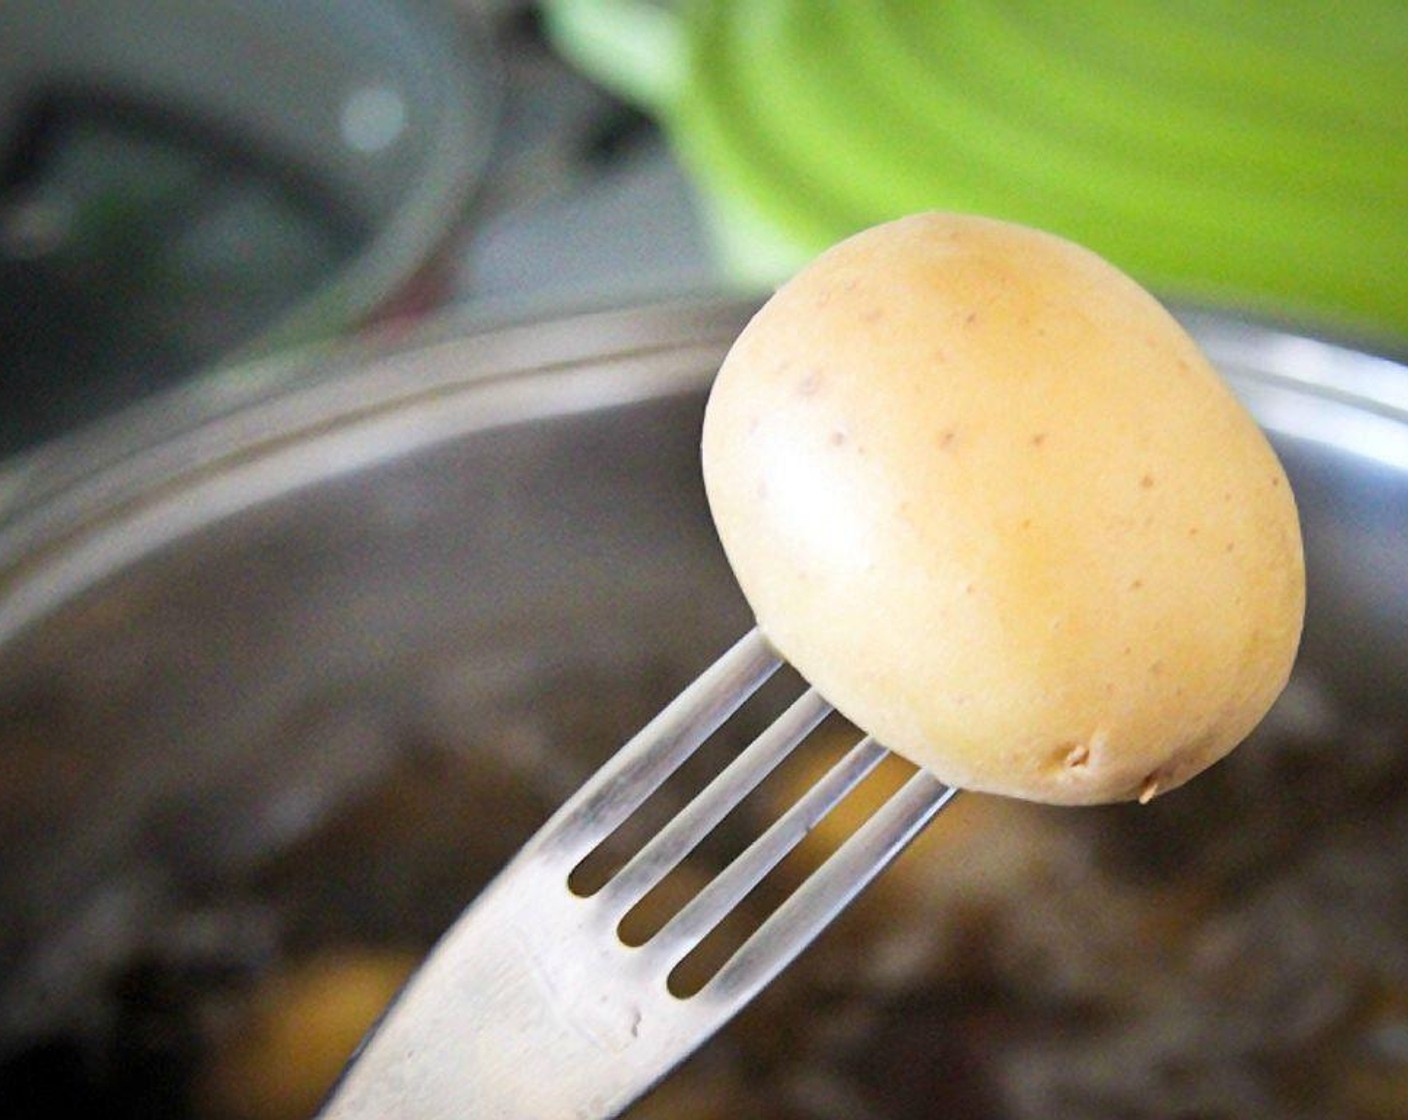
(531, 1007)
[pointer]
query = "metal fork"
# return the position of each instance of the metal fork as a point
(532, 1008)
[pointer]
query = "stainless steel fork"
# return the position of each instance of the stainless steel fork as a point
(532, 1007)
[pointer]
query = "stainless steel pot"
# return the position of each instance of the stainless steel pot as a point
(182, 184)
(296, 657)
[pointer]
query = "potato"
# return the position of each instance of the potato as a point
(298, 1030)
(986, 494)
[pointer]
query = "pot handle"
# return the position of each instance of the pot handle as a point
(635, 48)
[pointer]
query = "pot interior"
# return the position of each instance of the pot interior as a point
(272, 713)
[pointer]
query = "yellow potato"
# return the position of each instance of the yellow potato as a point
(298, 1030)
(989, 497)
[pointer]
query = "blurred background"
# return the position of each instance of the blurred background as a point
(351, 361)
(190, 184)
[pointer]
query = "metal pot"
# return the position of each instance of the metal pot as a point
(297, 656)
(185, 184)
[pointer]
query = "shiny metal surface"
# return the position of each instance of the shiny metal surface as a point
(218, 616)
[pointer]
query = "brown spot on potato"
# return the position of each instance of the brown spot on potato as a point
(1075, 755)
(1038, 438)
(810, 384)
(872, 314)
(836, 438)
(1147, 482)
(946, 438)
(1136, 584)
(1150, 789)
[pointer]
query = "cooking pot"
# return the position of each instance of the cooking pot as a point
(292, 660)
(186, 184)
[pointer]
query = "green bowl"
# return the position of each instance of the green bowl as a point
(1250, 155)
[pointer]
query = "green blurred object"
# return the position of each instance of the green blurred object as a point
(1242, 154)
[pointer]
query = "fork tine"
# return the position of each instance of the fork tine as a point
(794, 924)
(726, 890)
(679, 837)
(640, 767)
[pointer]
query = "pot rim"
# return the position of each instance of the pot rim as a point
(79, 509)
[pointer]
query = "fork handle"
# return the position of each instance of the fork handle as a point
(488, 1027)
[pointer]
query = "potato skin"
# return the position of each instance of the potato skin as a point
(985, 493)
